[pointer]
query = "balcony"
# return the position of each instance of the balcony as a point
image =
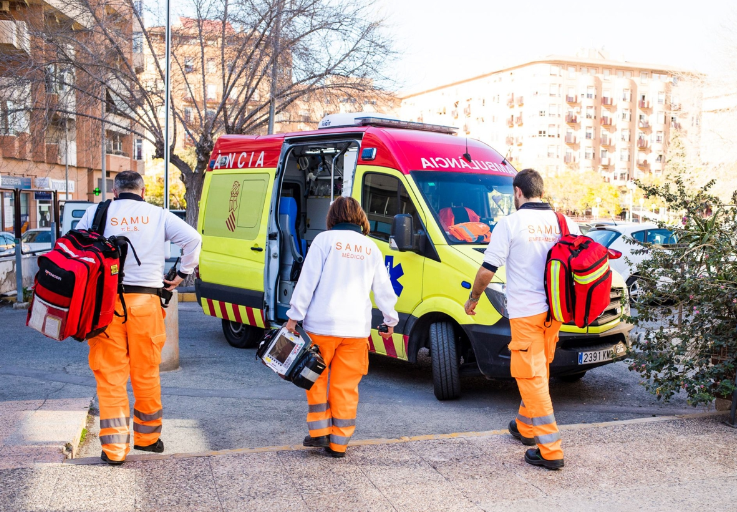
(606, 121)
(606, 140)
(509, 141)
(675, 106)
(572, 99)
(117, 161)
(571, 119)
(569, 159)
(510, 100)
(519, 141)
(643, 164)
(644, 123)
(645, 104)
(675, 125)
(607, 101)
(606, 161)
(14, 37)
(510, 121)
(642, 144)
(518, 120)
(570, 138)
(520, 101)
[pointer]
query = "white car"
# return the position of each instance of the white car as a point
(7, 244)
(36, 240)
(615, 236)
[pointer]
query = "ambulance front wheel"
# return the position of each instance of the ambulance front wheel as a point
(445, 364)
(240, 335)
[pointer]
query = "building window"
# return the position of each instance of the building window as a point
(620, 73)
(589, 132)
(138, 7)
(212, 91)
(589, 154)
(625, 135)
(607, 74)
(626, 116)
(604, 154)
(552, 151)
(554, 70)
(626, 94)
(541, 132)
(590, 112)
(187, 114)
(137, 42)
(211, 69)
(188, 64)
(591, 92)
(661, 98)
(659, 159)
(571, 71)
(553, 110)
(658, 136)
(138, 149)
(624, 155)
(552, 130)
(554, 89)
(644, 76)
(628, 74)
(542, 113)
(113, 143)
(12, 118)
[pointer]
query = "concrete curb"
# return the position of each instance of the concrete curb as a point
(404, 439)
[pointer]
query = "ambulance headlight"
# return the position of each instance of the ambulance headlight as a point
(497, 295)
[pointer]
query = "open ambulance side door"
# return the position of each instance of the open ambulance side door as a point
(234, 229)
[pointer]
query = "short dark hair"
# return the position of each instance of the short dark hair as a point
(347, 209)
(128, 181)
(530, 183)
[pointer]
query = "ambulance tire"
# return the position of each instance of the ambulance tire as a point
(446, 375)
(241, 335)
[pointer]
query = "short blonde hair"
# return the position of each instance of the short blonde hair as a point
(347, 209)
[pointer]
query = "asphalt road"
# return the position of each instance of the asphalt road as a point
(222, 398)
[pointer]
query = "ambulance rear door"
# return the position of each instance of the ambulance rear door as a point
(234, 243)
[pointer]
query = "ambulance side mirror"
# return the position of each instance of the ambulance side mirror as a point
(402, 237)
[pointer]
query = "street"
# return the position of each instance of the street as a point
(222, 398)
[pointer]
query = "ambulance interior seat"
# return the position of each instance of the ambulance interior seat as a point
(292, 247)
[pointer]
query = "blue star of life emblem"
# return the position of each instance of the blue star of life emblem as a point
(394, 274)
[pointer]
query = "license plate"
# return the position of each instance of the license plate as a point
(595, 356)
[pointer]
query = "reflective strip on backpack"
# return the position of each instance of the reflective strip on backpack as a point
(555, 290)
(590, 278)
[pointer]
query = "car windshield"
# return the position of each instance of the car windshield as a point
(30, 237)
(467, 206)
(603, 236)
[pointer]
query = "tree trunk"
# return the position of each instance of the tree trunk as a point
(192, 194)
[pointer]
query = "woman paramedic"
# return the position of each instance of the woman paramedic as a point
(332, 300)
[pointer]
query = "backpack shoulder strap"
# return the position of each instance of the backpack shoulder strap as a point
(562, 224)
(98, 223)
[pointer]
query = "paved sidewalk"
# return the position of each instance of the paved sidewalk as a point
(648, 464)
(47, 430)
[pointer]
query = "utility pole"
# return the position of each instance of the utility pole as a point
(167, 99)
(103, 187)
(276, 49)
(66, 160)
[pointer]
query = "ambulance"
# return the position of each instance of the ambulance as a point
(432, 199)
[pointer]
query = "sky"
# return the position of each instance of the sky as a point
(442, 41)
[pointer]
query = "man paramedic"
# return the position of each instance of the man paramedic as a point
(521, 241)
(131, 347)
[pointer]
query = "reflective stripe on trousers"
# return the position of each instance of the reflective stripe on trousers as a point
(333, 399)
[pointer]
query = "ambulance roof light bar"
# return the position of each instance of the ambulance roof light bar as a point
(380, 120)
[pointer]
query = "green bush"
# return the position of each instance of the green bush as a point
(688, 305)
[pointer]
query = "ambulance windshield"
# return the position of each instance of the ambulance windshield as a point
(467, 206)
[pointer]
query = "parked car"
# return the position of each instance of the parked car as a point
(7, 244)
(36, 240)
(616, 237)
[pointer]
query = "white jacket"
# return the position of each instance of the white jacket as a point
(522, 241)
(148, 228)
(332, 296)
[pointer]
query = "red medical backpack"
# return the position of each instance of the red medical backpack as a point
(578, 282)
(77, 283)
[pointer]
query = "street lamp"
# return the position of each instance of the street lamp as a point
(598, 204)
(631, 188)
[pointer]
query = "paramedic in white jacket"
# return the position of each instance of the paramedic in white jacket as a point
(332, 300)
(132, 343)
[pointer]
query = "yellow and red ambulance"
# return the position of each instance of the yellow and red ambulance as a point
(432, 200)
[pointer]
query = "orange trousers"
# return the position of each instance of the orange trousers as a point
(131, 349)
(333, 399)
(533, 348)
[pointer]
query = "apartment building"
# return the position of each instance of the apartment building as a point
(587, 113)
(46, 118)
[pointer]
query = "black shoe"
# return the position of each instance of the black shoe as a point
(157, 447)
(333, 453)
(527, 441)
(105, 458)
(532, 456)
(316, 442)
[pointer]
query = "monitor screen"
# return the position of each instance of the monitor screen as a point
(281, 349)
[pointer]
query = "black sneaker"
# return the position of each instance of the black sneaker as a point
(157, 447)
(333, 453)
(532, 456)
(527, 441)
(316, 442)
(105, 458)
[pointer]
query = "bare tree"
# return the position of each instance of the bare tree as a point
(331, 53)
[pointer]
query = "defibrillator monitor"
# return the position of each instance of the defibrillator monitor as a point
(282, 351)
